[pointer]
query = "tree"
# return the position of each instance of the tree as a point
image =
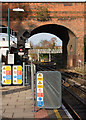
(45, 44)
(52, 42)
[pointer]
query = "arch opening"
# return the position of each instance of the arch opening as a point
(68, 39)
(47, 48)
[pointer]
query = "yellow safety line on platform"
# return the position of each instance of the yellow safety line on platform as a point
(57, 114)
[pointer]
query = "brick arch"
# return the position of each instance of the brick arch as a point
(70, 29)
(68, 26)
(32, 25)
(66, 35)
(62, 25)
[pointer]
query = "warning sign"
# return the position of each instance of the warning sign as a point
(39, 86)
(40, 79)
(17, 74)
(40, 82)
(6, 75)
(39, 90)
(39, 75)
(39, 94)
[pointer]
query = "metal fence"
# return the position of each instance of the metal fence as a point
(26, 74)
(52, 97)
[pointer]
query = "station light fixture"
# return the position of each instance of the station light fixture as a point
(18, 9)
(15, 9)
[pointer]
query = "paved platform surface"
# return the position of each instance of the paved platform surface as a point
(17, 103)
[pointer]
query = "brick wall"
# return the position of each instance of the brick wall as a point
(70, 15)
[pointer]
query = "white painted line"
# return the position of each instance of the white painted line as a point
(67, 113)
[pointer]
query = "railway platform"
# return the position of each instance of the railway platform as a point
(17, 104)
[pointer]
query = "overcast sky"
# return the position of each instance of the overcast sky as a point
(37, 38)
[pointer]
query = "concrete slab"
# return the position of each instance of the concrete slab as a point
(7, 115)
(23, 115)
(18, 103)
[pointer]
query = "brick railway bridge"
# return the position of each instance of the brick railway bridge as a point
(65, 20)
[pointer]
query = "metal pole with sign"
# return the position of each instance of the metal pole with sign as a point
(48, 89)
(39, 90)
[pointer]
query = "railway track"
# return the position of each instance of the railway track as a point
(73, 97)
(78, 79)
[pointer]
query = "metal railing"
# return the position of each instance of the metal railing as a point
(26, 74)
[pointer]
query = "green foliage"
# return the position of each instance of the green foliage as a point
(45, 44)
(42, 14)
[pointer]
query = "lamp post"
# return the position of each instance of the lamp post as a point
(15, 9)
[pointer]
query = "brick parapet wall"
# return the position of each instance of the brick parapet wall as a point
(70, 16)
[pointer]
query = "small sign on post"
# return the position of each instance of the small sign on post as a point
(39, 90)
(10, 58)
(17, 74)
(6, 75)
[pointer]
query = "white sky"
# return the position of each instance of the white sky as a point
(35, 39)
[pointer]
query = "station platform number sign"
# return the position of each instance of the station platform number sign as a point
(6, 75)
(39, 90)
(17, 74)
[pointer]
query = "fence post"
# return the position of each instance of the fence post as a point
(32, 83)
(0, 67)
(23, 73)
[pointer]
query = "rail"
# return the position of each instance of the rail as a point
(72, 101)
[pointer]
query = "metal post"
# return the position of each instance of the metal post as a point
(0, 90)
(0, 67)
(32, 83)
(26, 74)
(9, 28)
(32, 75)
(23, 73)
(38, 54)
(49, 57)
